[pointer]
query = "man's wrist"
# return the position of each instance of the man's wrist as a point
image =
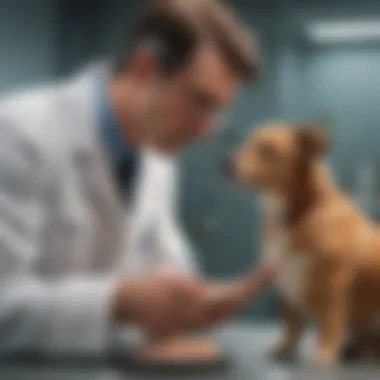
(122, 310)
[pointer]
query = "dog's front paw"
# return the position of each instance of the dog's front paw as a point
(283, 353)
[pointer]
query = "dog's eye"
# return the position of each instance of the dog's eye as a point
(267, 151)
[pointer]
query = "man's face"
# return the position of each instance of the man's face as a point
(184, 106)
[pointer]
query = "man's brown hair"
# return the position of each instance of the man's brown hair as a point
(176, 27)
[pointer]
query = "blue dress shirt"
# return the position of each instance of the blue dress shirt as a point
(123, 157)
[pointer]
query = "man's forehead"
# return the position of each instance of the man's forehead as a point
(209, 62)
(209, 72)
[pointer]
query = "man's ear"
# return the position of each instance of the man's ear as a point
(312, 141)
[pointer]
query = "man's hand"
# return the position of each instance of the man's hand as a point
(165, 305)
(160, 304)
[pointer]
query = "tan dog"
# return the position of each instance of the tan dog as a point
(327, 250)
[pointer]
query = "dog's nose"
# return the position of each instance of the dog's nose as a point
(227, 167)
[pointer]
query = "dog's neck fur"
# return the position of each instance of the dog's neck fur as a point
(290, 206)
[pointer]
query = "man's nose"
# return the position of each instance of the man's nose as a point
(227, 167)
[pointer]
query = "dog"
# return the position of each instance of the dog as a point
(326, 249)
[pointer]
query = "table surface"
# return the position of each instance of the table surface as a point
(247, 345)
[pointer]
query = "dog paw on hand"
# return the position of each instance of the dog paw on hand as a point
(267, 273)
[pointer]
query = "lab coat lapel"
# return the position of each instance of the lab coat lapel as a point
(106, 209)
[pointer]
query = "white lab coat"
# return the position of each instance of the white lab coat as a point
(155, 241)
(65, 236)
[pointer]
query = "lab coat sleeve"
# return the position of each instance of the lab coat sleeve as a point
(46, 317)
(177, 251)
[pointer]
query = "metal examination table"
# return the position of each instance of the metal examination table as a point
(247, 345)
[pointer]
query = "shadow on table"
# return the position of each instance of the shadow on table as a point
(125, 363)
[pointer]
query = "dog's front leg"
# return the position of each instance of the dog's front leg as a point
(331, 319)
(293, 326)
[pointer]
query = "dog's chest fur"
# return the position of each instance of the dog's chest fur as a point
(293, 266)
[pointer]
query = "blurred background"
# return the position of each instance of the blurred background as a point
(321, 62)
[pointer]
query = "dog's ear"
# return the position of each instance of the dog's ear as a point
(311, 140)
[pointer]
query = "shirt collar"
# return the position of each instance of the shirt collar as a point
(115, 144)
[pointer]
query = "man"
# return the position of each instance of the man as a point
(67, 156)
